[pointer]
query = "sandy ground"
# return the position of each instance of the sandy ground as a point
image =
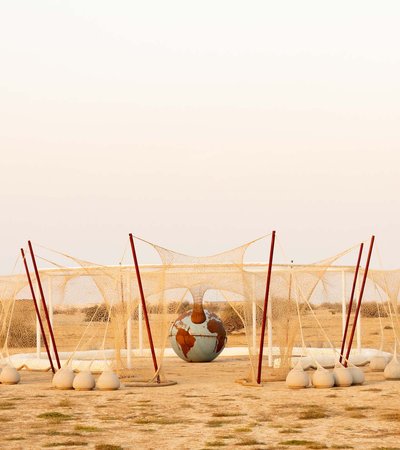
(205, 409)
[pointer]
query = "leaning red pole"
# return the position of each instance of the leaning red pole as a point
(37, 311)
(146, 317)
(264, 317)
(46, 312)
(359, 301)
(351, 303)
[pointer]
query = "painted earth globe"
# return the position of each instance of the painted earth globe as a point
(198, 342)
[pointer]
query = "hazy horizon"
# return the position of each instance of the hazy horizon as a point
(199, 126)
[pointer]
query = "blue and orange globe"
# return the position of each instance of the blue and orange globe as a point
(198, 342)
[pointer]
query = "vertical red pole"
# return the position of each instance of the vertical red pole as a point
(146, 317)
(353, 289)
(264, 317)
(46, 312)
(359, 301)
(37, 311)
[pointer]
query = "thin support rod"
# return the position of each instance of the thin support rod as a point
(37, 311)
(371, 245)
(344, 314)
(143, 302)
(264, 317)
(353, 290)
(46, 312)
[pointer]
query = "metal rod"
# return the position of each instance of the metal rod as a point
(371, 245)
(264, 317)
(344, 314)
(46, 312)
(270, 336)
(353, 290)
(143, 302)
(37, 311)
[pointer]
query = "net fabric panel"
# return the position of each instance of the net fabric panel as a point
(97, 308)
(17, 319)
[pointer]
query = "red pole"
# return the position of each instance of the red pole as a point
(351, 303)
(359, 300)
(146, 317)
(46, 312)
(264, 317)
(37, 311)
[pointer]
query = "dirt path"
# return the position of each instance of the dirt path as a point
(206, 409)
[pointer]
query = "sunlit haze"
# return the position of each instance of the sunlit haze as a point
(199, 126)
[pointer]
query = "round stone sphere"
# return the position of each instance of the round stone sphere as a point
(108, 381)
(84, 381)
(378, 363)
(357, 374)
(323, 379)
(9, 375)
(392, 370)
(198, 342)
(342, 376)
(63, 378)
(297, 379)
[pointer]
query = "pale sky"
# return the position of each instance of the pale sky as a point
(199, 125)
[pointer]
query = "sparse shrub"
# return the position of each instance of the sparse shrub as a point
(67, 311)
(231, 320)
(372, 309)
(282, 308)
(96, 313)
(333, 307)
(214, 307)
(179, 308)
(22, 331)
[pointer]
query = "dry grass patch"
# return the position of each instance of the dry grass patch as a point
(65, 403)
(247, 442)
(314, 412)
(386, 448)
(357, 415)
(215, 444)
(216, 423)
(226, 436)
(342, 446)
(54, 416)
(108, 447)
(194, 396)
(244, 430)
(356, 411)
(357, 408)
(109, 418)
(7, 405)
(87, 429)
(261, 418)
(66, 444)
(227, 414)
(391, 416)
(155, 421)
(60, 433)
(303, 443)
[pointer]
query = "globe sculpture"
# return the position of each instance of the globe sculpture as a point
(198, 335)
